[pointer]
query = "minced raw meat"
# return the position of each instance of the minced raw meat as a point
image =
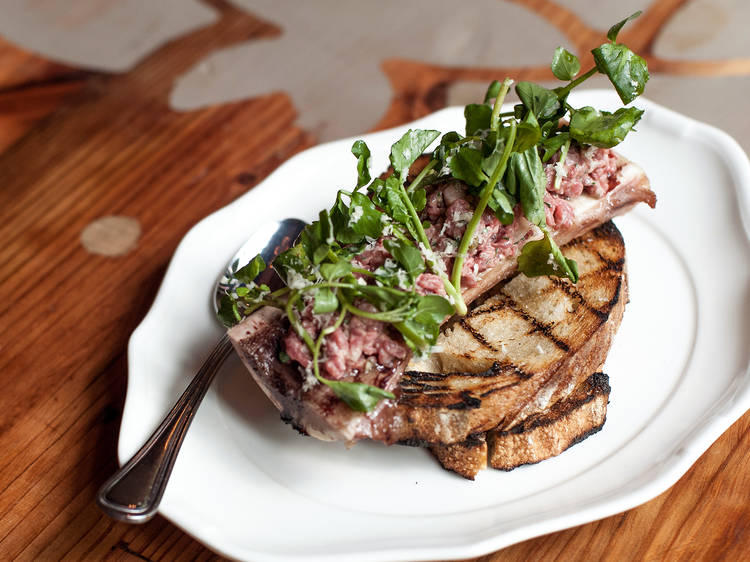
(430, 284)
(350, 346)
(559, 213)
(591, 170)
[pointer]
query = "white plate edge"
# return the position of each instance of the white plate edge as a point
(729, 409)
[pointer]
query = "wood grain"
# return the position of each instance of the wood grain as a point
(31, 88)
(84, 146)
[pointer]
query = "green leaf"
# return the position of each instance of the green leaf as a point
(601, 128)
(418, 336)
(433, 309)
(410, 147)
(477, 118)
(502, 203)
(490, 162)
(362, 152)
(553, 144)
(249, 272)
(358, 396)
(315, 241)
(326, 229)
(466, 165)
(492, 91)
(228, 312)
(385, 299)
(407, 255)
(364, 218)
(449, 138)
(526, 180)
(333, 271)
(445, 148)
(543, 103)
(340, 215)
(615, 29)
(392, 275)
(549, 128)
(627, 71)
(325, 301)
(422, 329)
(418, 199)
(317, 238)
(294, 260)
(387, 195)
(543, 257)
(565, 65)
(528, 133)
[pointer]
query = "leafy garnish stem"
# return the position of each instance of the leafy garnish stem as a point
(315, 349)
(495, 117)
(280, 292)
(362, 271)
(418, 180)
(394, 315)
(565, 90)
(463, 248)
(294, 321)
(563, 155)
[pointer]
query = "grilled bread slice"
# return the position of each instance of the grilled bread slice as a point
(534, 439)
(527, 346)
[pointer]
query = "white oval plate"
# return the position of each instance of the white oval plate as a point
(250, 487)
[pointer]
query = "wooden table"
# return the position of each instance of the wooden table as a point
(99, 180)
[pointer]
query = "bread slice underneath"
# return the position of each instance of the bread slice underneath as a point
(534, 439)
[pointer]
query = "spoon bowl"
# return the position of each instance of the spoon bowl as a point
(133, 493)
(269, 240)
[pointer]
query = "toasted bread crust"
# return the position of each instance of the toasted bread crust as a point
(534, 439)
(548, 434)
(466, 458)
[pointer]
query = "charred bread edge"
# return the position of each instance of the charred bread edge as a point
(462, 458)
(595, 394)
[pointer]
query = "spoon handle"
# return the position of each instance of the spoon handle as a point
(134, 492)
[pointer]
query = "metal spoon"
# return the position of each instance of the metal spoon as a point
(134, 492)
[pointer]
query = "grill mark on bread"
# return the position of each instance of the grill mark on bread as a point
(468, 402)
(611, 265)
(411, 383)
(475, 334)
(508, 303)
(573, 293)
(419, 387)
(423, 376)
(594, 386)
(495, 389)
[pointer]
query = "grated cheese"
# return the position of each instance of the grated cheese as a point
(357, 213)
(294, 280)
